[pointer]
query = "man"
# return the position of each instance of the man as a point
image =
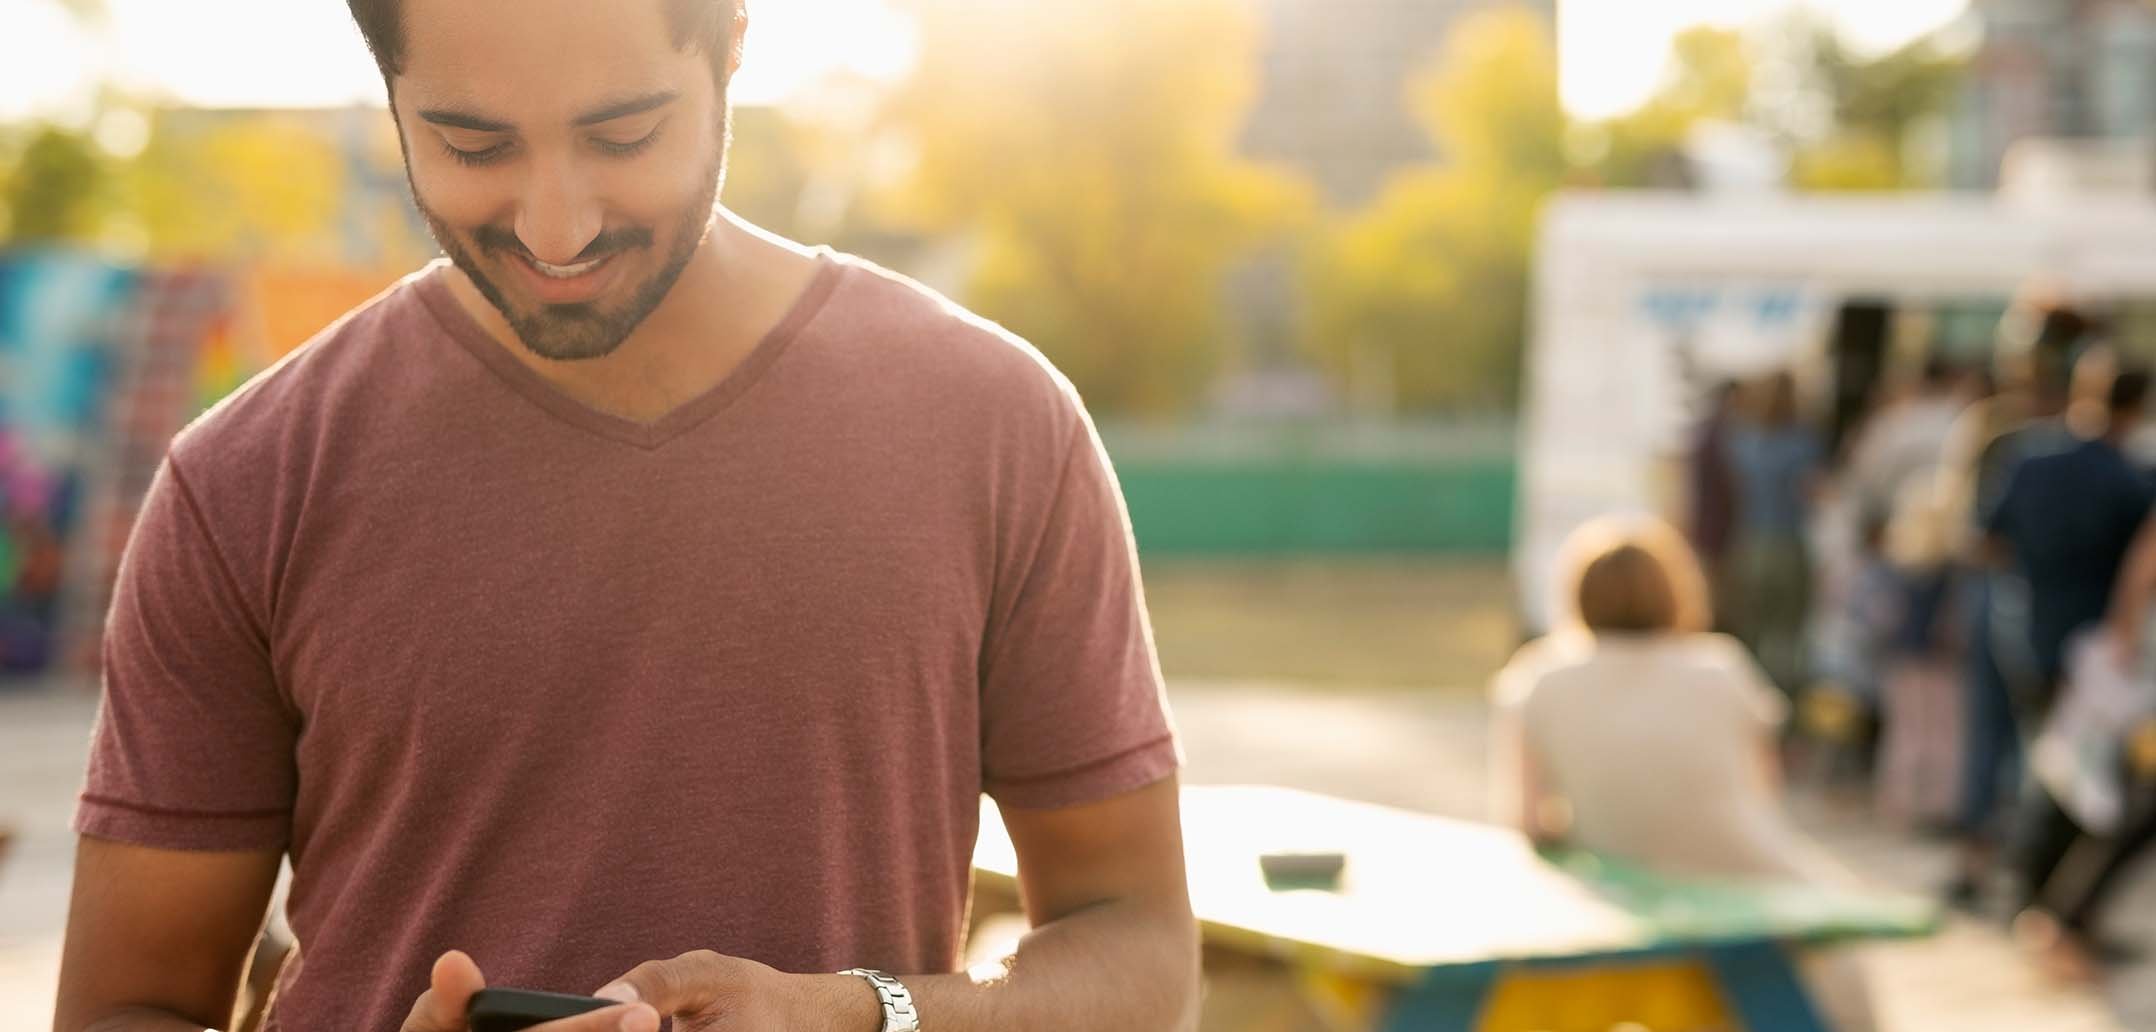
(2068, 520)
(2023, 419)
(635, 604)
(1904, 441)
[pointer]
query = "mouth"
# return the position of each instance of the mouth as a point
(564, 284)
(565, 272)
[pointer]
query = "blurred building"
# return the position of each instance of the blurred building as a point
(2055, 69)
(1332, 100)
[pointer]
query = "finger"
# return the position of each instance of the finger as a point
(690, 982)
(632, 1017)
(449, 994)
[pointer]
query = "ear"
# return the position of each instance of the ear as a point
(733, 46)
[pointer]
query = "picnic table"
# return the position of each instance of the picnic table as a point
(1453, 926)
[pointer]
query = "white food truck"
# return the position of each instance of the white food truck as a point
(1645, 301)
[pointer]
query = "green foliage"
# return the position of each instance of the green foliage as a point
(1709, 79)
(1427, 289)
(1086, 148)
(1875, 103)
(251, 186)
(1429, 285)
(58, 190)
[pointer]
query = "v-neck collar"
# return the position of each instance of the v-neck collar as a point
(461, 325)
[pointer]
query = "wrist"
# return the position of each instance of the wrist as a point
(843, 1003)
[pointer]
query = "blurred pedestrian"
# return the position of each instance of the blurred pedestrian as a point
(1778, 464)
(1891, 489)
(2074, 897)
(1600, 723)
(2069, 555)
(2066, 519)
(1713, 495)
(2024, 418)
(1904, 441)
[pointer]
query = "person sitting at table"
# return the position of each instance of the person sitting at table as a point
(1633, 732)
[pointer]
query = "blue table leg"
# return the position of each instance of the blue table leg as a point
(1762, 988)
(1445, 1000)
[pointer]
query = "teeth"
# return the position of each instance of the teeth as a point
(566, 271)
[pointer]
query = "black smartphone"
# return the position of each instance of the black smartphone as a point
(506, 1010)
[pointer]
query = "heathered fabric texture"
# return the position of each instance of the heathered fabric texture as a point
(510, 675)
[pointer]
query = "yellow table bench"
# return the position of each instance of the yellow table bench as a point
(1453, 926)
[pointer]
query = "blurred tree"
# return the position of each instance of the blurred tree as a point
(58, 189)
(239, 186)
(1709, 79)
(1086, 149)
(1427, 289)
(1875, 103)
(1849, 160)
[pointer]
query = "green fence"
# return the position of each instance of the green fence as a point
(1317, 490)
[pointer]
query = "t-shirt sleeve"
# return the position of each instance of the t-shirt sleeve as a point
(193, 743)
(1072, 710)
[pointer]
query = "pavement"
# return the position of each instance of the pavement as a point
(1417, 750)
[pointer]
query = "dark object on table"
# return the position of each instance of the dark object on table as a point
(1285, 872)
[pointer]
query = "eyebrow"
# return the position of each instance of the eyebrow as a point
(606, 113)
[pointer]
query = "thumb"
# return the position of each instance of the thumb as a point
(449, 994)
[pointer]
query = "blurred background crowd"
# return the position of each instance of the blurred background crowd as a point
(1379, 303)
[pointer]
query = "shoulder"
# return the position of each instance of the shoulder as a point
(1536, 665)
(1714, 650)
(915, 339)
(1726, 667)
(280, 419)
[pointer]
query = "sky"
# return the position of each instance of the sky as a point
(1613, 50)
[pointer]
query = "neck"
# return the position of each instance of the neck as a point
(738, 284)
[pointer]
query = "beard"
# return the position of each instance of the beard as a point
(585, 329)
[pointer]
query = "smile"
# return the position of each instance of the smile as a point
(567, 271)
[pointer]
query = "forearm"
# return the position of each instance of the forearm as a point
(1116, 965)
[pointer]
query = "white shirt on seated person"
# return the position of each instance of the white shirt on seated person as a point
(1657, 748)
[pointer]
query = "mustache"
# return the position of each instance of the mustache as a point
(497, 239)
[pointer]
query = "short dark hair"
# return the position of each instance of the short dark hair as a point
(2129, 389)
(706, 25)
(1633, 576)
(1939, 371)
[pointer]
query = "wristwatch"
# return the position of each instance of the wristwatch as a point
(898, 1012)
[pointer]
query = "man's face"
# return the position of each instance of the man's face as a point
(566, 155)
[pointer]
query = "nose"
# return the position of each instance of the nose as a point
(558, 216)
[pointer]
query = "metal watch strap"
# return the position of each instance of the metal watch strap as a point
(898, 1012)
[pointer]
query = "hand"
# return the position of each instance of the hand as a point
(455, 978)
(711, 992)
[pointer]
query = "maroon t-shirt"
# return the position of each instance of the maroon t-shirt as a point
(511, 675)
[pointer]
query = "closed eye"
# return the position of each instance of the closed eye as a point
(632, 147)
(475, 157)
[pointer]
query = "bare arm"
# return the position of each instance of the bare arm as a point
(157, 939)
(1522, 801)
(1113, 944)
